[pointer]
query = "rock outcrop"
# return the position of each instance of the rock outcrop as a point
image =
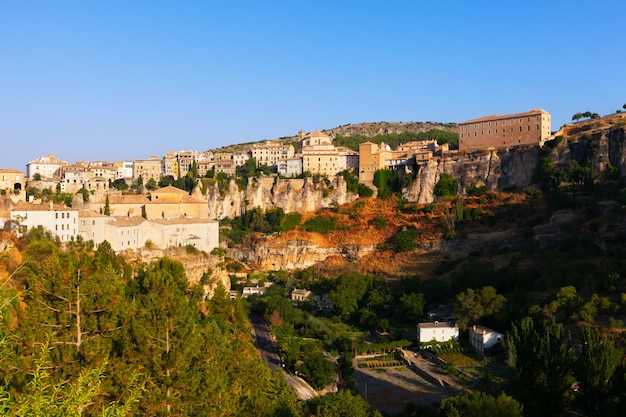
(500, 169)
(296, 254)
(292, 195)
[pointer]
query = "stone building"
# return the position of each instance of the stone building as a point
(148, 169)
(530, 128)
(11, 179)
(319, 155)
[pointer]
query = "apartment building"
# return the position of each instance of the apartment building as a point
(170, 165)
(48, 167)
(148, 169)
(530, 128)
(271, 152)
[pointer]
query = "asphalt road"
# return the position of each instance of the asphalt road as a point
(267, 350)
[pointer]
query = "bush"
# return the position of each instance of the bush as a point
(365, 191)
(379, 222)
(404, 240)
(446, 186)
(320, 224)
(290, 221)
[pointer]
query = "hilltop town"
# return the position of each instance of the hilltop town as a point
(128, 203)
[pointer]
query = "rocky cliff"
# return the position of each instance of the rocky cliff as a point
(501, 169)
(292, 195)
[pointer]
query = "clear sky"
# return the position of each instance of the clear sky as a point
(119, 80)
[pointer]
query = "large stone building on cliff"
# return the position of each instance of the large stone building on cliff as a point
(530, 128)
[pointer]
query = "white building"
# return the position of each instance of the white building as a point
(437, 331)
(290, 167)
(61, 221)
(482, 338)
(48, 167)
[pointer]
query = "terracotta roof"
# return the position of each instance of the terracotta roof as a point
(182, 220)
(126, 221)
(11, 171)
(317, 133)
(170, 189)
(128, 199)
(41, 207)
(532, 112)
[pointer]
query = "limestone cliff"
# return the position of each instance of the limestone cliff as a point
(499, 169)
(292, 195)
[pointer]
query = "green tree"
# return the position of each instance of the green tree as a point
(480, 404)
(349, 290)
(596, 368)
(340, 404)
(107, 207)
(151, 184)
(472, 305)
(412, 306)
(317, 369)
(386, 181)
(542, 365)
(446, 186)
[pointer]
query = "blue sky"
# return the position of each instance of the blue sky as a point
(116, 80)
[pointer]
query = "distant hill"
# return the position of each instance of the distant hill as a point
(367, 129)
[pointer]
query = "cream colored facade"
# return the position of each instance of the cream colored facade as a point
(147, 169)
(371, 158)
(61, 221)
(530, 128)
(48, 167)
(166, 202)
(11, 179)
(270, 153)
(319, 155)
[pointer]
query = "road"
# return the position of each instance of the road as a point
(267, 350)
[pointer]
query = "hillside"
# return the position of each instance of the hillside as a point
(368, 129)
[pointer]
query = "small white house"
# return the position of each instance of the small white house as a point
(438, 331)
(482, 338)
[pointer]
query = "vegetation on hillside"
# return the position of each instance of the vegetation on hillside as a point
(396, 139)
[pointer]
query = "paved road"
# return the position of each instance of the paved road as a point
(266, 347)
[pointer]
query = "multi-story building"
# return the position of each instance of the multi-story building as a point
(48, 167)
(124, 169)
(290, 167)
(147, 169)
(437, 331)
(61, 221)
(483, 338)
(240, 157)
(372, 157)
(11, 179)
(186, 160)
(270, 152)
(319, 155)
(348, 158)
(170, 165)
(530, 128)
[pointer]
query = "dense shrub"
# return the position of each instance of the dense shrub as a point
(320, 224)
